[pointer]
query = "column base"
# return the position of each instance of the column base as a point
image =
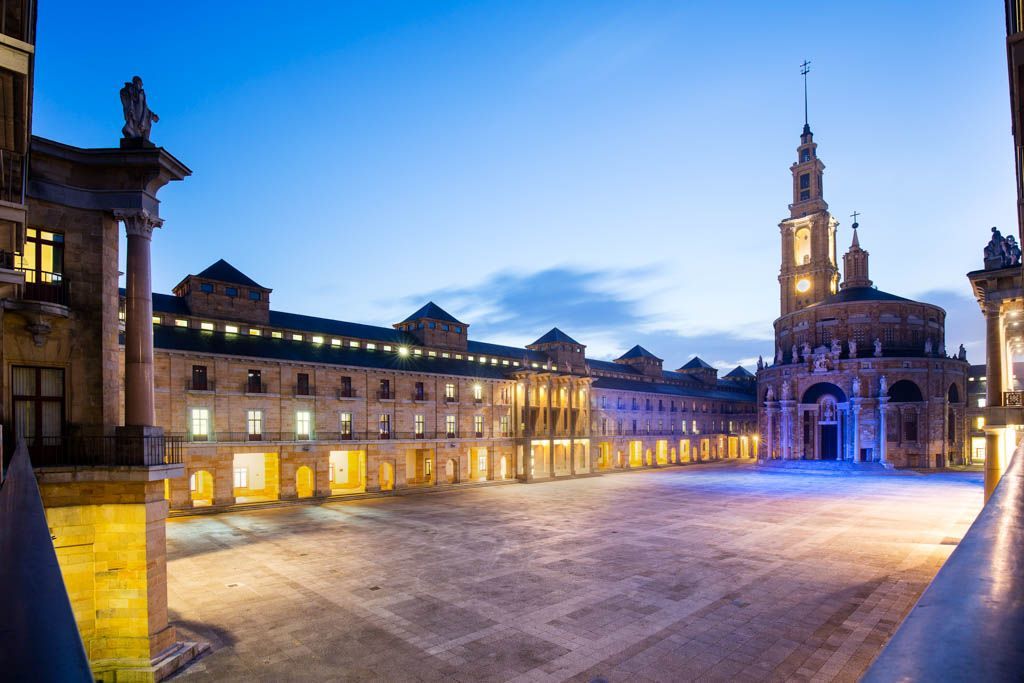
(168, 662)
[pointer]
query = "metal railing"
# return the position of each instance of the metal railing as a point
(104, 451)
(346, 392)
(47, 287)
(40, 637)
(12, 174)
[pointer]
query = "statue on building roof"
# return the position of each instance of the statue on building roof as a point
(138, 117)
(770, 394)
(852, 344)
(760, 363)
(837, 348)
(962, 353)
(883, 386)
(787, 391)
(878, 347)
(778, 355)
(805, 351)
(1001, 252)
(929, 346)
(855, 392)
(795, 357)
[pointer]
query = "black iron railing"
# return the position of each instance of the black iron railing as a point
(76, 450)
(51, 288)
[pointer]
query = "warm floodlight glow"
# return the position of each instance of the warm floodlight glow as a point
(803, 285)
(403, 351)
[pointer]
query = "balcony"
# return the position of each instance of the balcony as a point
(305, 391)
(346, 392)
(385, 395)
(419, 396)
(12, 173)
(47, 288)
(254, 387)
(101, 451)
(478, 399)
(451, 399)
(199, 385)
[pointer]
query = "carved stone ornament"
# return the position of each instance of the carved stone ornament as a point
(138, 222)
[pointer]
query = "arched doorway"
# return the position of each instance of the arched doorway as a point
(200, 486)
(451, 471)
(387, 476)
(304, 486)
(823, 406)
(503, 467)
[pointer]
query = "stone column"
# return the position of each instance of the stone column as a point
(138, 336)
(882, 435)
(855, 426)
(769, 413)
(994, 458)
(995, 370)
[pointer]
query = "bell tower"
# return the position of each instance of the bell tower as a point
(808, 273)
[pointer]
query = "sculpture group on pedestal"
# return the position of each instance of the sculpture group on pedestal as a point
(1001, 252)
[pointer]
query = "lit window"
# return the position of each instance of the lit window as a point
(277, 335)
(317, 339)
(384, 424)
(428, 467)
(515, 363)
(458, 356)
(206, 326)
(353, 345)
(254, 422)
(335, 342)
(505, 362)
(483, 359)
(386, 347)
(303, 424)
(346, 424)
(181, 323)
(478, 424)
(417, 352)
(470, 358)
(255, 332)
(371, 347)
(446, 355)
(403, 351)
(449, 425)
(981, 403)
(296, 337)
(979, 423)
(231, 329)
(432, 354)
(200, 420)
(449, 390)
(418, 422)
(533, 365)
(494, 361)
(156, 320)
(478, 392)
(241, 478)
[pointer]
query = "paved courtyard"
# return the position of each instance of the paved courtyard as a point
(712, 572)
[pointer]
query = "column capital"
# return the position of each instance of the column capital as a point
(138, 222)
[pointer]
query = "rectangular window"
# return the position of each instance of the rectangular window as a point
(254, 382)
(346, 424)
(206, 288)
(38, 396)
(346, 387)
(478, 425)
(231, 291)
(303, 425)
(241, 478)
(505, 431)
(199, 382)
(277, 335)
(255, 332)
(449, 426)
(231, 329)
(180, 323)
(200, 424)
(385, 389)
(302, 384)
(254, 425)
(805, 181)
(449, 392)
(428, 467)
(385, 426)
(478, 392)
(254, 295)
(419, 393)
(296, 337)
(208, 327)
(317, 339)
(418, 424)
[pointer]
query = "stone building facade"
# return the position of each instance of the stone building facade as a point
(276, 405)
(858, 374)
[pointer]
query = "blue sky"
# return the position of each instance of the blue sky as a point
(616, 169)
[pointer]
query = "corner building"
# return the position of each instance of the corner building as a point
(274, 405)
(859, 374)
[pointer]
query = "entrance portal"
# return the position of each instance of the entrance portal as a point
(829, 442)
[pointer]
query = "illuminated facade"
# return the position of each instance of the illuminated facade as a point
(858, 374)
(276, 405)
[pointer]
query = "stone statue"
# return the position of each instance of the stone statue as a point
(878, 347)
(928, 346)
(760, 363)
(856, 387)
(962, 353)
(770, 394)
(138, 117)
(787, 391)
(852, 344)
(837, 348)
(883, 386)
(795, 358)
(821, 363)
(806, 350)
(778, 355)
(1001, 252)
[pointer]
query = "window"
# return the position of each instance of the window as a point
(444, 327)
(346, 424)
(276, 335)
(449, 425)
(254, 382)
(302, 384)
(199, 382)
(200, 424)
(417, 425)
(38, 395)
(317, 339)
(428, 467)
(206, 288)
(303, 424)
(505, 431)
(180, 323)
(384, 391)
(805, 181)
(231, 329)
(241, 478)
(254, 425)
(910, 426)
(458, 329)
(805, 155)
(254, 295)
(346, 387)
(478, 392)
(385, 425)
(231, 291)
(634, 426)
(156, 320)
(981, 403)
(478, 425)
(335, 342)
(206, 326)
(418, 393)
(296, 337)
(449, 391)
(353, 344)
(604, 425)
(255, 332)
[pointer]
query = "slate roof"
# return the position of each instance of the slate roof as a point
(610, 366)
(740, 372)
(851, 294)
(225, 272)
(434, 312)
(340, 328)
(617, 384)
(167, 303)
(555, 335)
(638, 352)
(486, 349)
(696, 363)
(199, 341)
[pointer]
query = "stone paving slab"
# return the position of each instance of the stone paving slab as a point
(713, 573)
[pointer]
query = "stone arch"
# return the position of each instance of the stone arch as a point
(304, 482)
(953, 395)
(905, 391)
(649, 457)
(816, 391)
(200, 486)
(451, 471)
(503, 467)
(387, 476)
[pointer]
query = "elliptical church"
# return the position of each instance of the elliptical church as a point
(859, 374)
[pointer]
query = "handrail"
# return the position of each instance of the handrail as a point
(968, 623)
(40, 637)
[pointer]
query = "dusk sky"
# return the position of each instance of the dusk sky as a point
(616, 169)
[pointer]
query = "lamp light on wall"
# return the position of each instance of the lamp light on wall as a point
(802, 285)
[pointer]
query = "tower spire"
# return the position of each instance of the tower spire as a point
(855, 261)
(805, 68)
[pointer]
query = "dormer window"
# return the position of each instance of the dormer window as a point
(254, 295)
(206, 288)
(231, 291)
(444, 328)
(432, 325)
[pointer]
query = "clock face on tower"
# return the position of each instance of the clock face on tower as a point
(802, 285)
